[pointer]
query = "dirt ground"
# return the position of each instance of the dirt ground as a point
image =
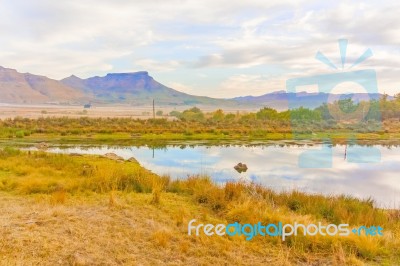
(141, 112)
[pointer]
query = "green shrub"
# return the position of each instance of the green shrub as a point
(19, 134)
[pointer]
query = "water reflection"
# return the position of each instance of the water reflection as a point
(274, 165)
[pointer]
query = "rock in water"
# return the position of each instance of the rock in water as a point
(241, 167)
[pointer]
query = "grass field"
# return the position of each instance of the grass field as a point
(238, 127)
(91, 210)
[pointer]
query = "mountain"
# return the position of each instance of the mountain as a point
(282, 100)
(136, 88)
(26, 88)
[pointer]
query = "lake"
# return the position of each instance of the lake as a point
(359, 171)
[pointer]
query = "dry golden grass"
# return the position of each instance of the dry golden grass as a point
(58, 197)
(55, 211)
(86, 231)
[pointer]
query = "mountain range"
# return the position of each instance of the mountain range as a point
(137, 88)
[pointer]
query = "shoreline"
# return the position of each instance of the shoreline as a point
(124, 138)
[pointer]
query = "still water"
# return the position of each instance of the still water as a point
(278, 166)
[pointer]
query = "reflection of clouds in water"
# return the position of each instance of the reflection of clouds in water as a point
(273, 166)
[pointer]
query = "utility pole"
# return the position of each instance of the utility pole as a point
(154, 111)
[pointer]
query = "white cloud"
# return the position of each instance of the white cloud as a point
(252, 84)
(181, 87)
(157, 66)
(60, 38)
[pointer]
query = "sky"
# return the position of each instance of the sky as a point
(216, 48)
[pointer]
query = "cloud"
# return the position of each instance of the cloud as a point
(252, 84)
(58, 39)
(182, 38)
(261, 42)
(157, 66)
(181, 87)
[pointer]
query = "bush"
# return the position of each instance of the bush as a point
(19, 134)
(175, 114)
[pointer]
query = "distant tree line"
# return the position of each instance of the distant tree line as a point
(344, 115)
(343, 110)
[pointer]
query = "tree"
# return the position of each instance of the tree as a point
(347, 105)
(284, 115)
(324, 111)
(248, 117)
(374, 112)
(267, 113)
(305, 114)
(230, 117)
(218, 115)
(193, 114)
(194, 110)
(176, 114)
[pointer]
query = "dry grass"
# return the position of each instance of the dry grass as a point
(54, 212)
(161, 238)
(85, 231)
(58, 197)
(159, 186)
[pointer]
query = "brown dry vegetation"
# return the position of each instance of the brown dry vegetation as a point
(87, 210)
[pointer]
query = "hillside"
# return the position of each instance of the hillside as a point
(26, 88)
(280, 100)
(137, 89)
